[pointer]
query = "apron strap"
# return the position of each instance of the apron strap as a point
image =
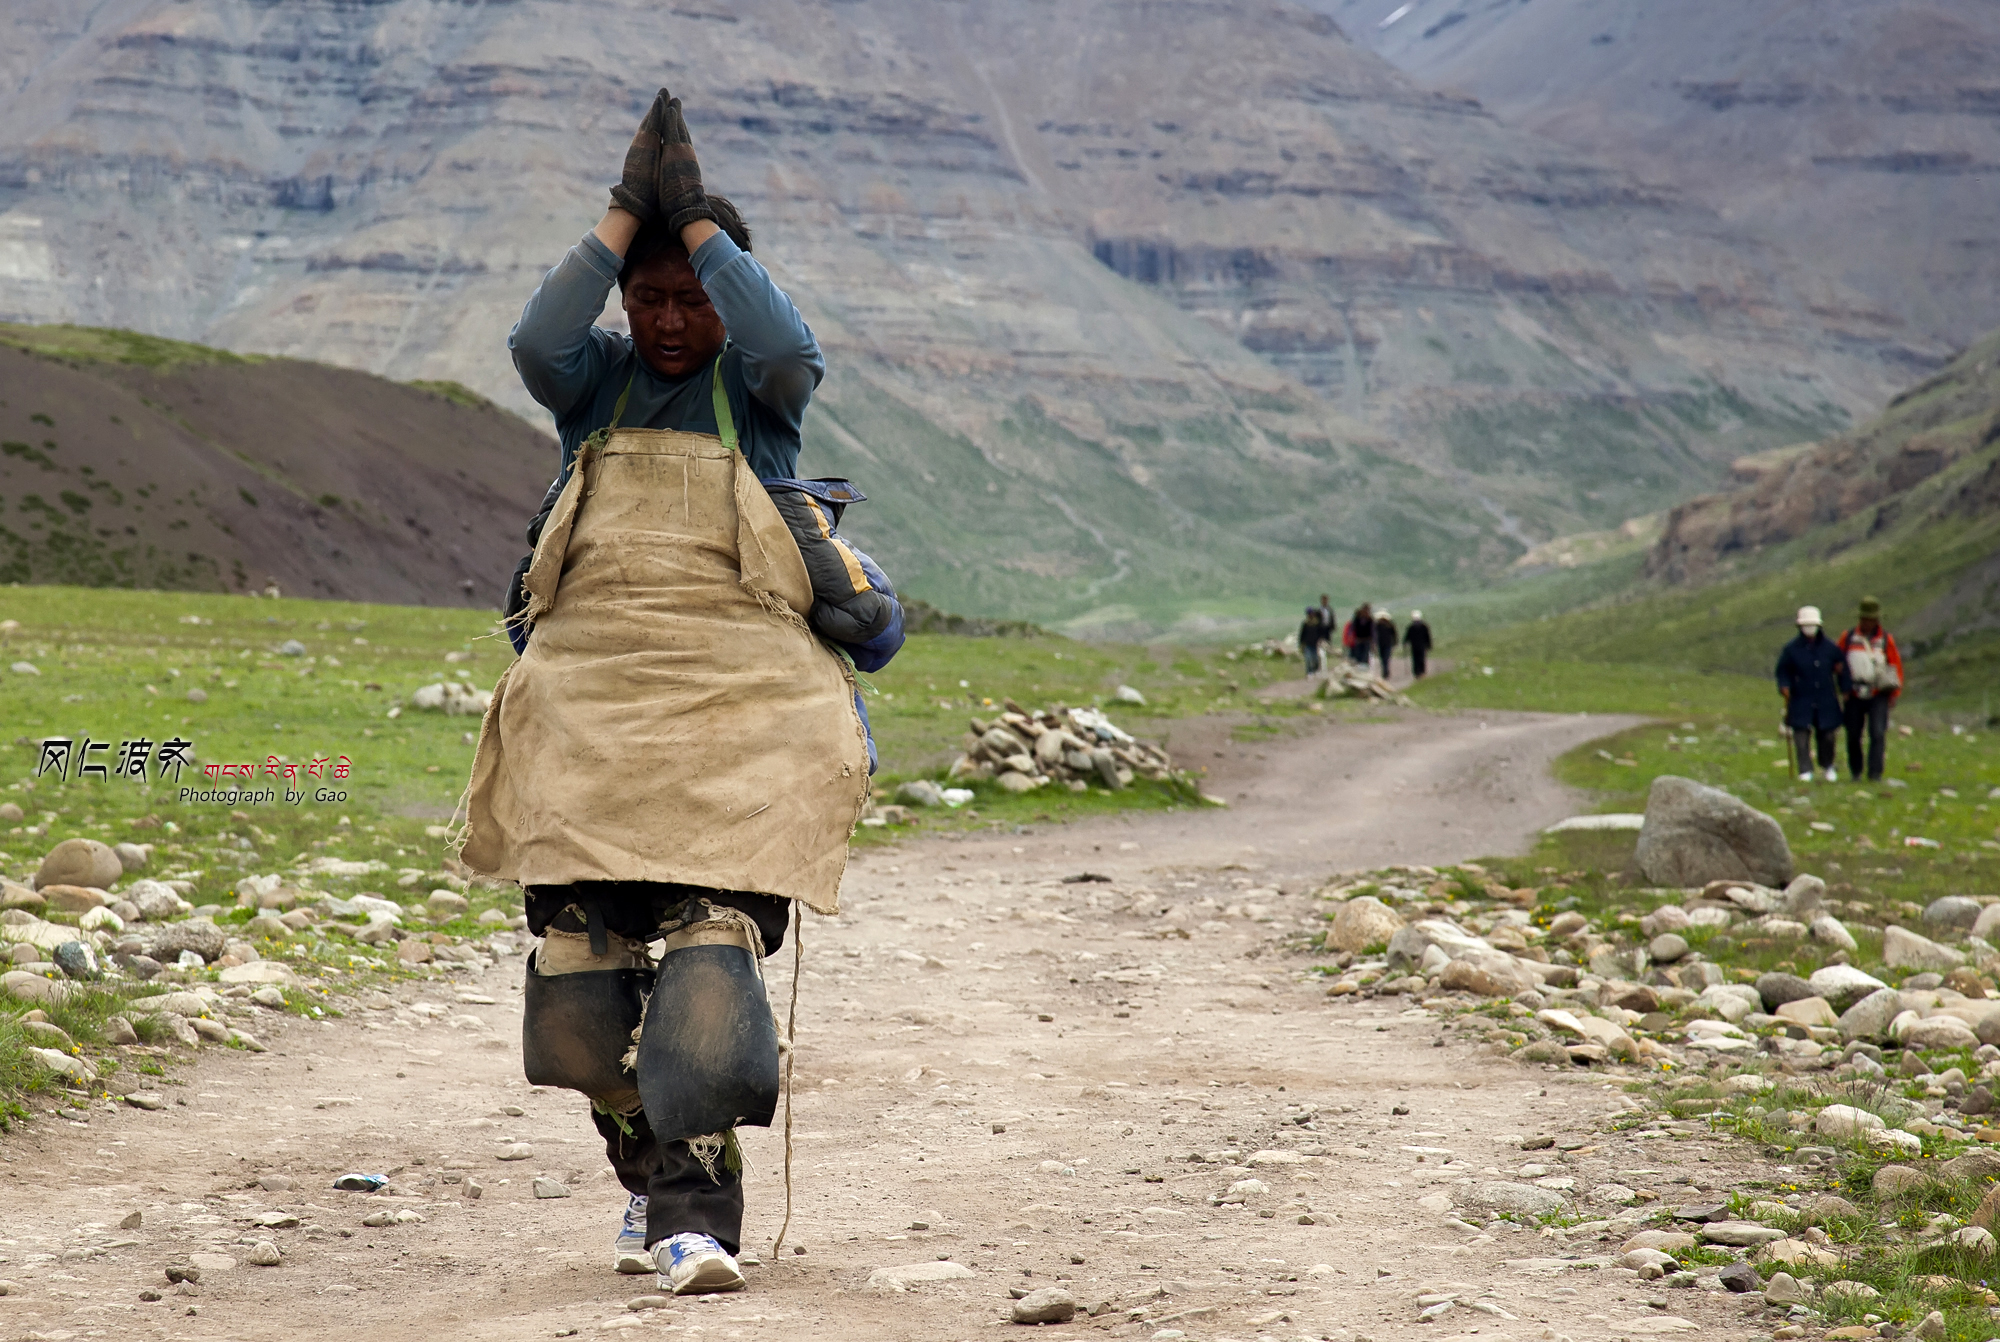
(725, 423)
(618, 410)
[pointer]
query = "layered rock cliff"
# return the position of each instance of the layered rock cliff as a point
(1133, 308)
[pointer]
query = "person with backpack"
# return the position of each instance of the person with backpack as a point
(1812, 676)
(1358, 637)
(1875, 677)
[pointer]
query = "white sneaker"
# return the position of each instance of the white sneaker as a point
(630, 1256)
(1833, 775)
(692, 1264)
(1806, 777)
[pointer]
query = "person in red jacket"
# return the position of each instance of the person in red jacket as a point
(1875, 670)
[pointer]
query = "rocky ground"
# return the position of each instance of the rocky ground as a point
(1106, 1046)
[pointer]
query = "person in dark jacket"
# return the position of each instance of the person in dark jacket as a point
(1385, 640)
(1417, 638)
(1812, 676)
(1359, 636)
(1311, 635)
(1875, 671)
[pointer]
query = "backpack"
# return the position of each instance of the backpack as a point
(1867, 666)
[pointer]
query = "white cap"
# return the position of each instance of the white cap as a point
(1381, 614)
(1809, 615)
(1416, 615)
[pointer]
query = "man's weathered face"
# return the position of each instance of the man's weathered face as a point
(1869, 625)
(674, 326)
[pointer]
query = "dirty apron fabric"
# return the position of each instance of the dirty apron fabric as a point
(673, 718)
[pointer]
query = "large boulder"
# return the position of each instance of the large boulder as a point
(1904, 949)
(1938, 1032)
(84, 862)
(1363, 922)
(1695, 834)
(1777, 989)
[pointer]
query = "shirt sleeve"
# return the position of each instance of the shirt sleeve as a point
(558, 350)
(782, 363)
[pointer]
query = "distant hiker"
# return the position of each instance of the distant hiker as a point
(1812, 675)
(1312, 634)
(679, 753)
(1385, 640)
(1417, 638)
(1359, 635)
(1326, 617)
(1875, 675)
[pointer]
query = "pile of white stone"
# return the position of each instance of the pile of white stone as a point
(1071, 747)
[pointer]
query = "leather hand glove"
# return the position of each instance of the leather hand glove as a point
(678, 187)
(637, 192)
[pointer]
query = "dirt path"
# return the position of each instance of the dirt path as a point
(997, 1068)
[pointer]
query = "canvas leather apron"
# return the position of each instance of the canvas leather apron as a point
(673, 717)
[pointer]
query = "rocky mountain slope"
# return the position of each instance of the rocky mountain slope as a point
(1862, 138)
(1134, 311)
(129, 462)
(1934, 452)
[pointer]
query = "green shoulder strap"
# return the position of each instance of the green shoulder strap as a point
(618, 410)
(725, 423)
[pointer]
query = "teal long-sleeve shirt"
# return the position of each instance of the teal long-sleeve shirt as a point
(576, 369)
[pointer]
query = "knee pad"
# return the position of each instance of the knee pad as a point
(708, 1051)
(580, 1017)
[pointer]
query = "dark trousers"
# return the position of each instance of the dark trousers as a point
(680, 1195)
(1875, 713)
(1311, 650)
(1358, 654)
(1418, 657)
(1803, 740)
(1386, 654)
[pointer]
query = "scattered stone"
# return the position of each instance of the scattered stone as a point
(78, 960)
(1777, 989)
(183, 1272)
(1843, 985)
(1903, 949)
(1695, 834)
(1783, 1289)
(47, 1035)
(923, 792)
(14, 896)
(274, 1183)
(550, 1188)
(1645, 1258)
(1739, 1234)
(132, 1221)
(211, 1262)
(375, 1220)
(917, 1274)
(1931, 1329)
(33, 987)
(214, 1031)
(1465, 977)
(445, 905)
(74, 898)
(1519, 1199)
(199, 935)
(260, 971)
(645, 1302)
(79, 862)
(1960, 912)
(1740, 1278)
(414, 952)
(514, 1151)
(1668, 947)
(1675, 1242)
(1830, 930)
(146, 1099)
(1823, 1206)
(1870, 1017)
(1050, 1304)
(1845, 1121)
(245, 1040)
(1809, 1011)
(1666, 918)
(1974, 1239)
(1541, 1050)
(1362, 922)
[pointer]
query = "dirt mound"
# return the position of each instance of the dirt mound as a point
(130, 462)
